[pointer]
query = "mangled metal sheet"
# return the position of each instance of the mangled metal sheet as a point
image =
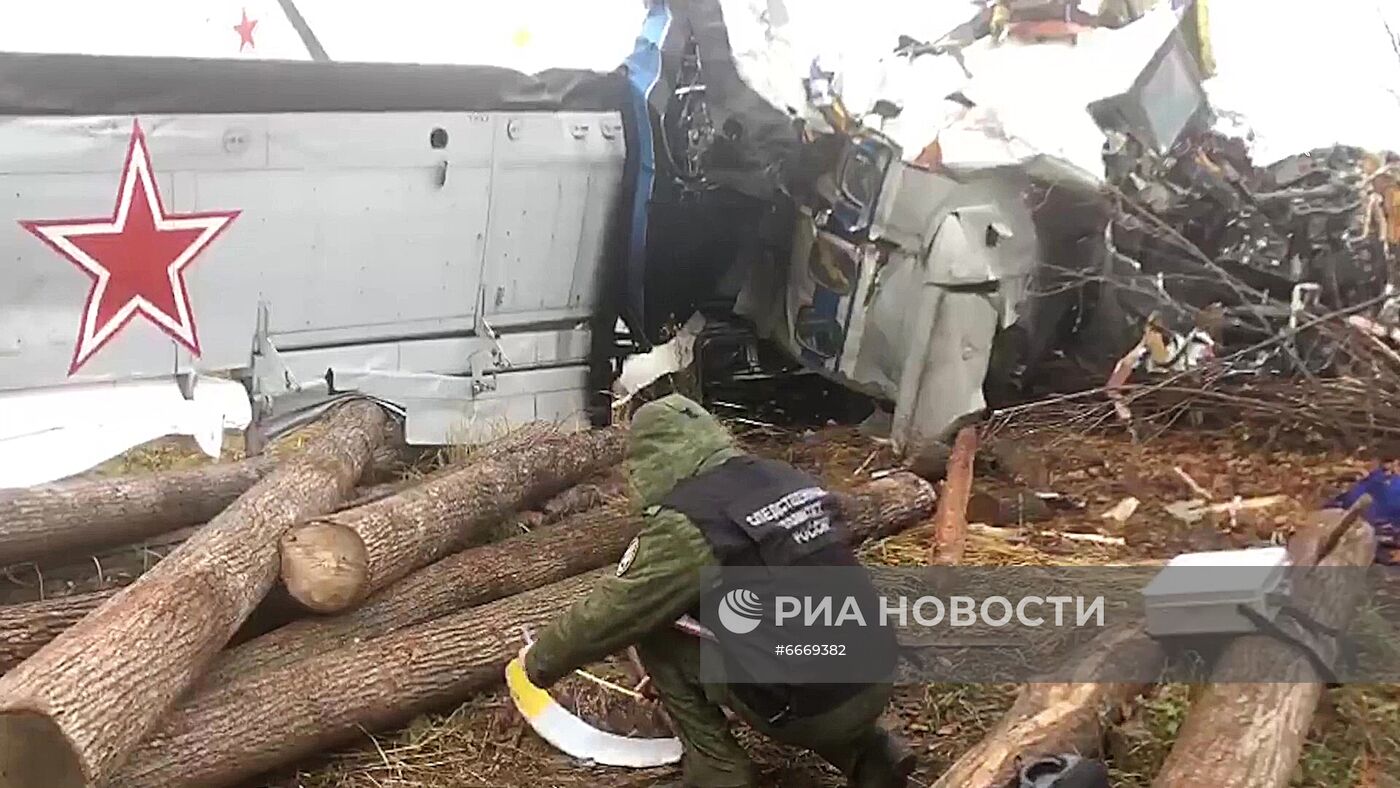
(1030, 101)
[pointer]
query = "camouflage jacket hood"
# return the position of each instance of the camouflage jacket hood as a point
(673, 439)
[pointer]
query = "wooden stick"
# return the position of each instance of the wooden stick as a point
(950, 523)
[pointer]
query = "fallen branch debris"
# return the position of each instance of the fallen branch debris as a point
(950, 523)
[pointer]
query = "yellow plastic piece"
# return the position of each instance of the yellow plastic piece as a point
(531, 700)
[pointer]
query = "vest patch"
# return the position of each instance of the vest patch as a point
(629, 556)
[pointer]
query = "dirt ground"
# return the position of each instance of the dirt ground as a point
(1355, 741)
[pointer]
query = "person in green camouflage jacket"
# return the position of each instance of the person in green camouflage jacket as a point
(658, 581)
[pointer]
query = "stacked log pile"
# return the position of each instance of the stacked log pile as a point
(150, 680)
(411, 595)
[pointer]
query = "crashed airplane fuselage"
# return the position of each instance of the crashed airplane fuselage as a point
(199, 242)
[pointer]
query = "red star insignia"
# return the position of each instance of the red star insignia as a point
(136, 259)
(244, 30)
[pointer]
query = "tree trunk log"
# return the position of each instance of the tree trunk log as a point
(1050, 718)
(233, 732)
(334, 563)
(459, 581)
(582, 497)
(483, 574)
(101, 571)
(259, 719)
(950, 524)
(28, 627)
(70, 714)
(1243, 732)
(887, 506)
(91, 514)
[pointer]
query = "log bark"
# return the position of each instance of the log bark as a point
(260, 719)
(101, 571)
(87, 515)
(1054, 717)
(472, 577)
(28, 627)
(1244, 732)
(582, 497)
(950, 523)
(70, 714)
(90, 515)
(334, 563)
(235, 731)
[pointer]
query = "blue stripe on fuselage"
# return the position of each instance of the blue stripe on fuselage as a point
(643, 72)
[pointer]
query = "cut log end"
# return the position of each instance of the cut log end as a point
(34, 753)
(325, 566)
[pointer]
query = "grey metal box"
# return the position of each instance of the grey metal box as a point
(1200, 593)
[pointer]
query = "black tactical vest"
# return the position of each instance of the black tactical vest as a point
(759, 512)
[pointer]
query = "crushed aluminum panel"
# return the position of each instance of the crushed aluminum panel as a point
(48, 434)
(942, 378)
(994, 236)
(413, 368)
(554, 183)
(556, 395)
(889, 322)
(909, 198)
